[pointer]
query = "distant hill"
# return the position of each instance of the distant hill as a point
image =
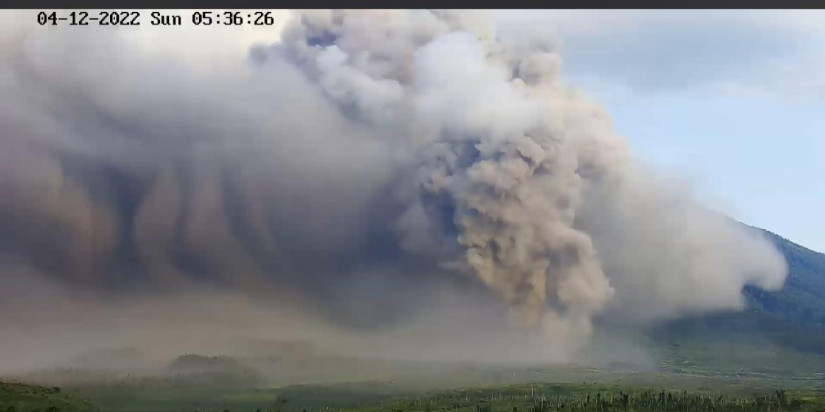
(212, 370)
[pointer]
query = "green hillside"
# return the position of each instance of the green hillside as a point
(802, 300)
(780, 333)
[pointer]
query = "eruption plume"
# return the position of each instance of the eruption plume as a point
(355, 167)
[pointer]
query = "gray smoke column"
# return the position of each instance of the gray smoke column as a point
(367, 156)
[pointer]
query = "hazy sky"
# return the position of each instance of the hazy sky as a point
(735, 100)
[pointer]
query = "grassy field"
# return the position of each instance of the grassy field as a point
(16, 397)
(374, 397)
(563, 388)
(704, 375)
(601, 397)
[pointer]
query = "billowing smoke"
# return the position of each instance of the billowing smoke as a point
(357, 168)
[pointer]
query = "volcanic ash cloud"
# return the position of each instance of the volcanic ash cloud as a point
(519, 182)
(363, 161)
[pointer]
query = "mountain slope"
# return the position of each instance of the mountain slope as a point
(780, 332)
(802, 300)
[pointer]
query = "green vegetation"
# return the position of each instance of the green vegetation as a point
(500, 389)
(583, 397)
(375, 397)
(17, 397)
